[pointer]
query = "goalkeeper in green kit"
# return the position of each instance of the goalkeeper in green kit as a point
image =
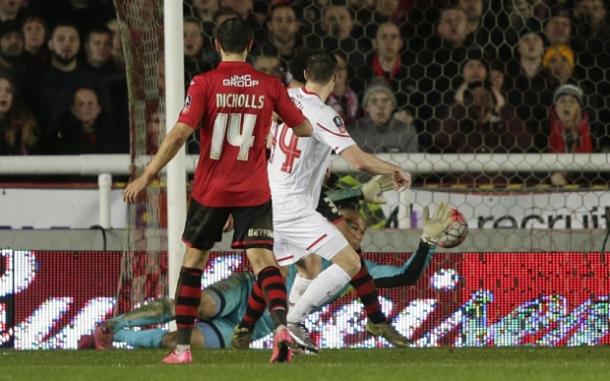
(237, 300)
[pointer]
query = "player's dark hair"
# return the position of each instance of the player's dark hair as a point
(234, 35)
(321, 67)
(298, 63)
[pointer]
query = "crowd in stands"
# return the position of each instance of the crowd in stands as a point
(437, 76)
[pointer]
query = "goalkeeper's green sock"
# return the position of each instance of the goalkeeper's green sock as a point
(148, 338)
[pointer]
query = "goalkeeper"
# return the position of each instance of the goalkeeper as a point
(224, 303)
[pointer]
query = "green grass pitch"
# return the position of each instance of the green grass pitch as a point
(345, 365)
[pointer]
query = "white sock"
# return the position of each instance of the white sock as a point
(321, 289)
(299, 286)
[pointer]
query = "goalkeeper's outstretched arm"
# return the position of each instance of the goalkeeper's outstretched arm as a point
(398, 276)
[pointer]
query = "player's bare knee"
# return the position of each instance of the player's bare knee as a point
(260, 258)
(348, 260)
(195, 258)
(309, 267)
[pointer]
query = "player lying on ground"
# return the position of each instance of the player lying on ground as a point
(224, 303)
(232, 107)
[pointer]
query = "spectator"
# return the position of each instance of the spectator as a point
(83, 130)
(203, 10)
(392, 10)
(379, 12)
(53, 94)
(339, 32)
(11, 50)
(477, 127)
(593, 45)
(524, 12)
(497, 76)
(476, 69)
(98, 48)
(117, 44)
(224, 14)
(569, 126)
(196, 59)
(452, 27)
(268, 62)
(590, 16)
(243, 8)
(473, 69)
(36, 54)
(343, 99)
(558, 28)
(559, 60)
(35, 34)
(283, 25)
(530, 88)
(474, 11)
(442, 60)
(81, 13)
(386, 62)
(10, 10)
(379, 131)
(19, 134)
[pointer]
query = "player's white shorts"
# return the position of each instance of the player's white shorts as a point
(304, 232)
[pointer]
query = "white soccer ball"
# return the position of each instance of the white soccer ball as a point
(456, 232)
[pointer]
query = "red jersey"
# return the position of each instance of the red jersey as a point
(232, 107)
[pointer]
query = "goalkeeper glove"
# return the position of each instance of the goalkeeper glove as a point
(435, 227)
(376, 185)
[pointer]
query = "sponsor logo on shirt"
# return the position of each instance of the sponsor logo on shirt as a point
(187, 103)
(339, 123)
(240, 81)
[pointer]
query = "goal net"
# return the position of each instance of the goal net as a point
(475, 117)
(144, 263)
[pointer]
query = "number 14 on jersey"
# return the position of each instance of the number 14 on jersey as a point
(239, 134)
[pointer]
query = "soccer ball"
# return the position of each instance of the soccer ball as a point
(456, 232)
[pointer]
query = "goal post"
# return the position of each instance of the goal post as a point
(176, 169)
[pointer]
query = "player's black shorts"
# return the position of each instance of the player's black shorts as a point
(253, 226)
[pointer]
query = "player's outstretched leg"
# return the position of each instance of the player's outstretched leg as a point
(377, 324)
(188, 297)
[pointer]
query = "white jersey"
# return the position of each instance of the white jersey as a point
(297, 166)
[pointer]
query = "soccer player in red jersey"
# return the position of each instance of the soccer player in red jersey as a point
(232, 107)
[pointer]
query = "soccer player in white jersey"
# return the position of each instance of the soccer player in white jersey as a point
(297, 167)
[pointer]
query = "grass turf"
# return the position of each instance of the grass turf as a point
(346, 365)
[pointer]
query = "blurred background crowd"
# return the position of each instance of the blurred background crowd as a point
(434, 76)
